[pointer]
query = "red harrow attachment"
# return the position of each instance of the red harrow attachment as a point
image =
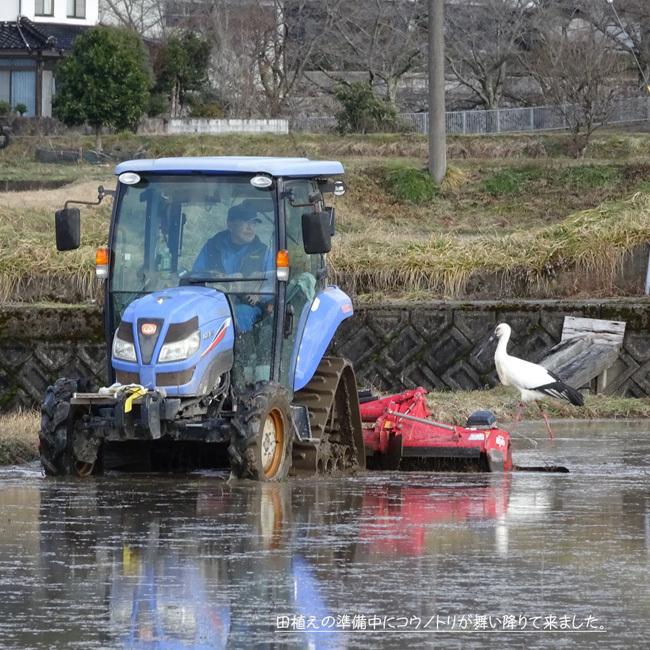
(399, 434)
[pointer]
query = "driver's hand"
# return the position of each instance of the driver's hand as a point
(252, 300)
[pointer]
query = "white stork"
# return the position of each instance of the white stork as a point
(533, 381)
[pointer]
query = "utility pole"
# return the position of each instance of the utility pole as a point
(437, 131)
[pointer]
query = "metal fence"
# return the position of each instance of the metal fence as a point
(503, 120)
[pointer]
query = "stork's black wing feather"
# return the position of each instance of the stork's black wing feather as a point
(560, 390)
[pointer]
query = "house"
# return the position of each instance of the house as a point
(34, 36)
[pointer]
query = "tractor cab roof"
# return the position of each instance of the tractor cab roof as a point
(293, 167)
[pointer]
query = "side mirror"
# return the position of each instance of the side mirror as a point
(316, 232)
(67, 223)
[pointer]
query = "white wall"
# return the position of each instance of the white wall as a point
(9, 10)
(47, 93)
(199, 125)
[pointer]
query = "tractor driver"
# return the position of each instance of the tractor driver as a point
(238, 250)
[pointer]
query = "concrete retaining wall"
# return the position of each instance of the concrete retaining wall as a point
(212, 126)
(436, 344)
(433, 344)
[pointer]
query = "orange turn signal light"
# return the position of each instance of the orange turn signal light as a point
(102, 259)
(102, 256)
(282, 265)
(282, 259)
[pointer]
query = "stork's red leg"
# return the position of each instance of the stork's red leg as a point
(551, 435)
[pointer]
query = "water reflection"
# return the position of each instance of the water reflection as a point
(197, 562)
(164, 604)
(396, 518)
(201, 564)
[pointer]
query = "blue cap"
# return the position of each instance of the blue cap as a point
(245, 211)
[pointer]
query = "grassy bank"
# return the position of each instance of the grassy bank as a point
(19, 431)
(611, 144)
(591, 244)
(456, 406)
(515, 208)
(19, 437)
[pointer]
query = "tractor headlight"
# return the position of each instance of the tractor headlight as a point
(124, 350)
(179, 350)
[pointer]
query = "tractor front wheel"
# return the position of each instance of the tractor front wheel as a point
(58, 427)
(263, 434)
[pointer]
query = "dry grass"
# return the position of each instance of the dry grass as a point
(385, 260)
(516, 223)
(30, 267)
(19, 437)
(454, 179)
(456, 406)
(592, 243)
(47, 201)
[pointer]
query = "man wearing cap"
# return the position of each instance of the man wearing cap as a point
(238, 250)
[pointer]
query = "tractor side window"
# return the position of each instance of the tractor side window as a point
(303, 196)
(128, 246)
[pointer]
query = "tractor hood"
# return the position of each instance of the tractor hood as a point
(180, 340)
(174, 305)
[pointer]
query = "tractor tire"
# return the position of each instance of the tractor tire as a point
(262, 441)
(55, 450)
(58, 421)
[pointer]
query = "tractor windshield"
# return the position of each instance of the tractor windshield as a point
(216, 230)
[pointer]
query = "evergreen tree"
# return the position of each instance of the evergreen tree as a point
(182, 66)
(105, 82)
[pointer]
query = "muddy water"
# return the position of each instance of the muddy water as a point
(380, 560)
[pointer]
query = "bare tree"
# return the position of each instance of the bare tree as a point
(146, 17)
(482, 39)
(260, 49)
(227, 27)
(578, 71)
(284, 42)
(627, 24)
(383, 38)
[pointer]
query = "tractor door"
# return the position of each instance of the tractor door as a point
(301, 195)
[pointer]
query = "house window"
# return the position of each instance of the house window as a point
(5, 86)
(18, 83)
(76, 8)
(23, 90)
(44, 8)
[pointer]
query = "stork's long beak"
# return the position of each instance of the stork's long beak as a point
(484, 346)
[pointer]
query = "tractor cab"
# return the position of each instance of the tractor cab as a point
(253, 231)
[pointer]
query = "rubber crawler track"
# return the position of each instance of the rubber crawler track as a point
(333, 404)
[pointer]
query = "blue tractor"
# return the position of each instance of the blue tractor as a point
(218, 316)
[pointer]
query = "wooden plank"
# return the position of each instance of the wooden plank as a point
(587, 364)
(604, 331)
(562, 353)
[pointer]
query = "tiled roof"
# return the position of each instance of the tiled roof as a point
(64, 34)
(26, 35)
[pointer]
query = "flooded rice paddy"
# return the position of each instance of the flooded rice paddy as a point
(379, 560)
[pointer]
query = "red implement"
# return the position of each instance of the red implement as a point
(399, 433)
